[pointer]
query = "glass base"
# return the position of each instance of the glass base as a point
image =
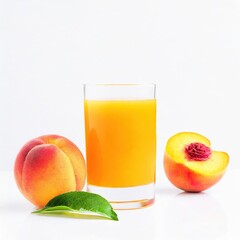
(128, 197)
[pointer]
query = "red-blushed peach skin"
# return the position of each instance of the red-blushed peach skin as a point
(186, 179)
(48, 166)
(74, 154)
(18, 167)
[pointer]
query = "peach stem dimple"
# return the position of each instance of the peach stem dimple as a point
(197, 151)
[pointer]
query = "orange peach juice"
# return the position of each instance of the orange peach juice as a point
(120, 142)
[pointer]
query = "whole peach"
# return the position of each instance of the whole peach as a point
(48, 166)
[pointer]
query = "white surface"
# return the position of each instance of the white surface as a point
(175, 215)
(49, 48)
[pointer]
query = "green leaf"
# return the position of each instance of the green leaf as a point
(76, 202)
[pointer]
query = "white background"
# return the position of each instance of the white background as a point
(49, 48)
(190, 48)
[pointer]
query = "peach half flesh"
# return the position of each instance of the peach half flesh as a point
(190, 164)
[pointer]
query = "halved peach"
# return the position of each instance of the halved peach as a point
(190, 164)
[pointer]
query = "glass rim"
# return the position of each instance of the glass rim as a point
(119, 84)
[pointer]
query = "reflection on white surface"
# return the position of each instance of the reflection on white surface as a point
(128, 227)
(194, 216)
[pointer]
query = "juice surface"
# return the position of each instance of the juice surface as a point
(120, 142)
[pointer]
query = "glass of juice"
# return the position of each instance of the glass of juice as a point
(120, 128)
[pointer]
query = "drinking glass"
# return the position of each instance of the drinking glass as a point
(120, 130)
